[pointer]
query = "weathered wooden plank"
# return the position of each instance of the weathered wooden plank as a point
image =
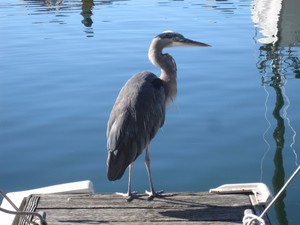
(182, 208)
(106, 201)
(135, 215)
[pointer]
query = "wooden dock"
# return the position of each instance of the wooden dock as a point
(182, 208)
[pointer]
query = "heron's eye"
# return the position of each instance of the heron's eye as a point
(178, 38)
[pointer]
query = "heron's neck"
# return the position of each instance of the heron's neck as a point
(168, 70)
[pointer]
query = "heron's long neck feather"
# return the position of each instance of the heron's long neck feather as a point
(168, 69)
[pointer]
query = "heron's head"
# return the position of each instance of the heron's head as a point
(172, 39)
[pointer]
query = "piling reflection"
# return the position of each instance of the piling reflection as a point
(86, 13)
(278, 62)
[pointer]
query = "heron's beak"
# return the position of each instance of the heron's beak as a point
(188, 42)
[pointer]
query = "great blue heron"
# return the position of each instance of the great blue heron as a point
(139, 110)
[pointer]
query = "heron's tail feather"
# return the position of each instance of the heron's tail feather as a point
(116, 165)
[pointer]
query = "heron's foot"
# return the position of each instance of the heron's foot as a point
(156, 194)
(129, 196)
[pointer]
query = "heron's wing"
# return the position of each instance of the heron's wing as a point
(138, 113)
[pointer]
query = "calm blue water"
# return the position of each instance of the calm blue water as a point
(236, 118)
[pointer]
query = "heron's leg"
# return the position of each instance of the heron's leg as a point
(152, 192)
(129, 179)
(129, 195)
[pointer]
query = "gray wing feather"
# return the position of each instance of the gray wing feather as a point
(138, 113)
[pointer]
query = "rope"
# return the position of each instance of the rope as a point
(251, 219)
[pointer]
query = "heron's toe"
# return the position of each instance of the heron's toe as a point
(155, 194)
(129, 196)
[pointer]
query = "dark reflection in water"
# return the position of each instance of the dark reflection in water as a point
(277, 62)
(272, 76)
(276, 81)
(278, 135)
